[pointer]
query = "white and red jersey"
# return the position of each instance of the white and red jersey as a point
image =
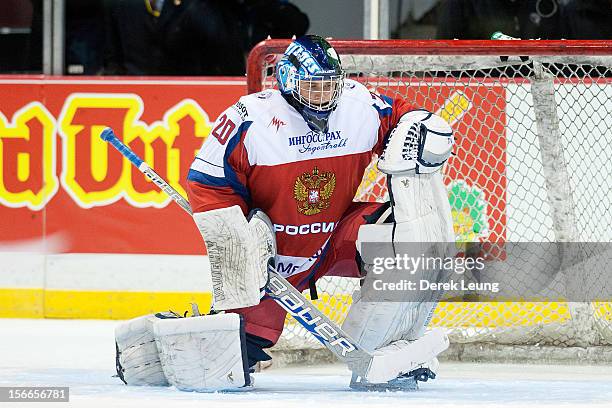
(262, 154)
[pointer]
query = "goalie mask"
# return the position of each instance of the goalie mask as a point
(311, 79)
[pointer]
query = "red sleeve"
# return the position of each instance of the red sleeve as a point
(390, 111)
(204, 198)
(219, 173)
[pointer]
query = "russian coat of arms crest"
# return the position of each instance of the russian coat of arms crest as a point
(313, 191)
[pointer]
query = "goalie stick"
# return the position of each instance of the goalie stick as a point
(359, 361)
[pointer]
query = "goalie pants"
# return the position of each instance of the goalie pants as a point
(266, 319)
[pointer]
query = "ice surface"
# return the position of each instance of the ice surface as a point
(80, 354)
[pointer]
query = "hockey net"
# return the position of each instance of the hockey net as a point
(532, 164)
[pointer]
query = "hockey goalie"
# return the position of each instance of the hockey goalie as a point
(274, 183)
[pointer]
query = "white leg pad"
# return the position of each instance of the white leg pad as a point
(204, 353)
(377, 324)
(393, 328)
(137, 358)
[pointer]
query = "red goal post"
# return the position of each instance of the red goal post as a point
(525, 126)
(262, 52)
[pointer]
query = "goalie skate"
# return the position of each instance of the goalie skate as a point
(400, 365)
(404, 382)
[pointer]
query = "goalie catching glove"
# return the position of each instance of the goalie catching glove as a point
(421, 141)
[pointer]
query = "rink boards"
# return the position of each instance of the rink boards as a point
(101, 286)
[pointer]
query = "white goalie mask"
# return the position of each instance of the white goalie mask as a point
(318, 92)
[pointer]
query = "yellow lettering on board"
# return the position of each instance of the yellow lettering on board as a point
(27, 158)
(95, 174)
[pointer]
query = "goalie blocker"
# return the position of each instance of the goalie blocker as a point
(239, 251)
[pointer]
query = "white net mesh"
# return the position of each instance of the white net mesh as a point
(531, 164)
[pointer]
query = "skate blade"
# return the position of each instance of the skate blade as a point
(397, 384)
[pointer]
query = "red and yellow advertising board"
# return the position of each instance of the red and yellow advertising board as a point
(60, 184)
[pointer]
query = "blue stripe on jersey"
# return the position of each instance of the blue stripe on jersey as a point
(206, 179)
(230, 174)
(386, 99)
(385, 111)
